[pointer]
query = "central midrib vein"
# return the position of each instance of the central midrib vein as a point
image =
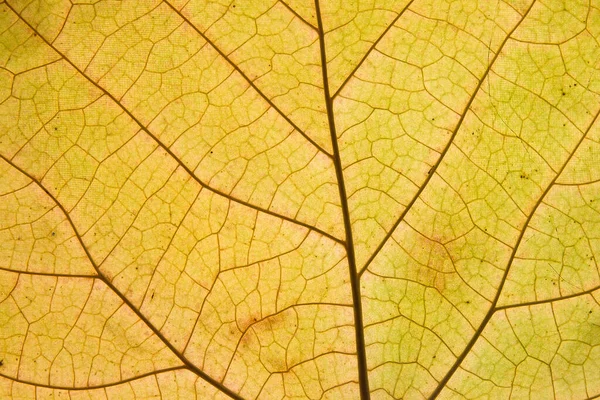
(363, 378)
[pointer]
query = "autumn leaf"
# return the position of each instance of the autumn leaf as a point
(286, 199)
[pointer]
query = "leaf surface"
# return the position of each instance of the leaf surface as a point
(287, 199)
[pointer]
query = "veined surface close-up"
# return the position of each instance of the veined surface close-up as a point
(294, 199)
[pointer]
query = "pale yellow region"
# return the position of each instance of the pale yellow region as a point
(391, 134)
(521, 6)
(313, 271)
(89, 26)
(328, 376)
(490, 205)
(558, 255)
(295, 337)
(65, 154)
(445, 61)
(47, 17)
(122, 184)
(405, 368)
(237, 144)
(35, 235)
(413, 256)
(178, 384)
(22, 49)
(539, 72)
(132, 262)
(351, 29)
(305, 9)
(123, 56)
(6, 81)
(489, 370)
(412, 335)
(542, 351)
(34, 108)
(195, 103)
(276, 51)
(73, 332)
(554, 21)
(180, 69)
(61, 129)
(422, 41)
(582, 167)
(396, 116)
(518, 139)
(487, 22)
(56, 142)
(185, 384)
(215, 236)
(581, 55)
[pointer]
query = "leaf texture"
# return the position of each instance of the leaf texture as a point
(300, 200)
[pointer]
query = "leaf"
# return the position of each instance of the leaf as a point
(262, 199)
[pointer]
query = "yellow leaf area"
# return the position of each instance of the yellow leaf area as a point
(244, 199)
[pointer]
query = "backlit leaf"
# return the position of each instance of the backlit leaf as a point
(293, 199)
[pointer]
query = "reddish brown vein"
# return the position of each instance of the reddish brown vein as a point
(551, 300)
(443, 153)
(91, 387)
(250, 82)
(362, 60)
(363, 376)
(188, 364)
(493, 307)
(170, 152)
(286, 5)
